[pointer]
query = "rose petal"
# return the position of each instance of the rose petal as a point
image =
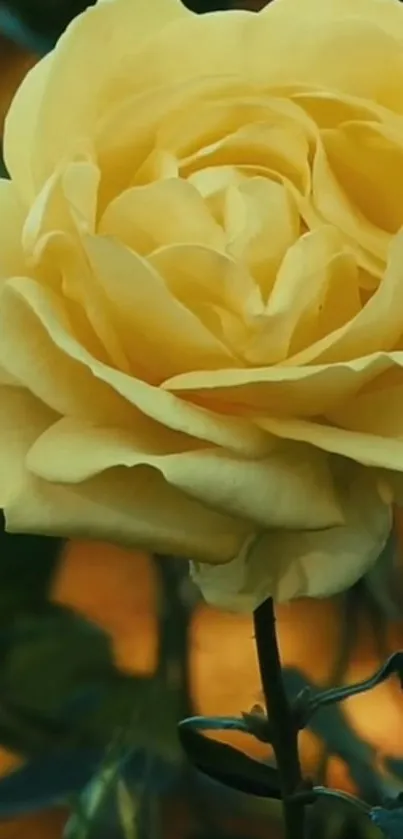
(360, 446)
(287, 565)
(147, 317)
(258, 48)
(161, 520)
(261, 221)
(12, 216)
(357, 151)
(103, 41)
(376, 327)
(304, 391)
(161, 213)
(69, 379)
(315, 292)
(291, 488)
(23, 418)
(21, 122)
(133, 507)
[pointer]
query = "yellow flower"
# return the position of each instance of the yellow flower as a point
(201, 290)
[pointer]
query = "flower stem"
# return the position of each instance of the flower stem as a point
(284, 729)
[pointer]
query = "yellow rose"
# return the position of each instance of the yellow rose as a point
(201, 296)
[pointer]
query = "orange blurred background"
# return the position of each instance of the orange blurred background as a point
(115, 588)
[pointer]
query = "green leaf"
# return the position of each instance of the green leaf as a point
(27, 566)
(127, 810)
(229, 766)
(46, 17)
(54, 666)
(51, 654)
(60, 688)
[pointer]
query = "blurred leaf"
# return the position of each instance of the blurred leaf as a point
(394, 766)
(229, 766)
(144, 710)
(329, 820)
(12, 28)
(37, 24)
(389, 821)
(54, 666)
(88, 805)
(60, 688)
(49, 656)
(54, 778)
(46, 782)
(27, 566)
(127, 810)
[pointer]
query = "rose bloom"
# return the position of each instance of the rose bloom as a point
(201, 305)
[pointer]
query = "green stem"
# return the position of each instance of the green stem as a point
(284, 729)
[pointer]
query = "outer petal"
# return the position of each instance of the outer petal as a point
(288, 43)
(22, 419)
(74, 383)
(127, 508)
(12, 219)
(290, 488)
(123, 506)
(385, 13)
(22, 122)
(370, 449)
(288, 565)
(62, 98)
(279, 390)
(120, 47)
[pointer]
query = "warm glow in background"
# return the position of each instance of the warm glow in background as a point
(115, 588)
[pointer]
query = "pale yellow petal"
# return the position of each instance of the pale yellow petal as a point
(7, 379)
(72, 381)
(219, 290)
(278, 150)
(315, 292)
(377, 327)
(291, 488)
(331, 108)
(58, 379)
(134, 508)
(115, 49)
(23, 418)
(198, 275)
(142, 116)
(287, 565)
(330, 203)
(150, 322)
(67, 202)
(288, 391)
(261, 222)
(63, 97)
(22, 122)
(385, 13)
(161, 213)
(279, 47)
(12, 215)
(357, 152)
(377, 411)
(360, 446)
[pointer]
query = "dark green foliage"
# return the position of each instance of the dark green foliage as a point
(390, 819)
(27, 566)
(60, 689)
(229, 766)
(47, 18)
